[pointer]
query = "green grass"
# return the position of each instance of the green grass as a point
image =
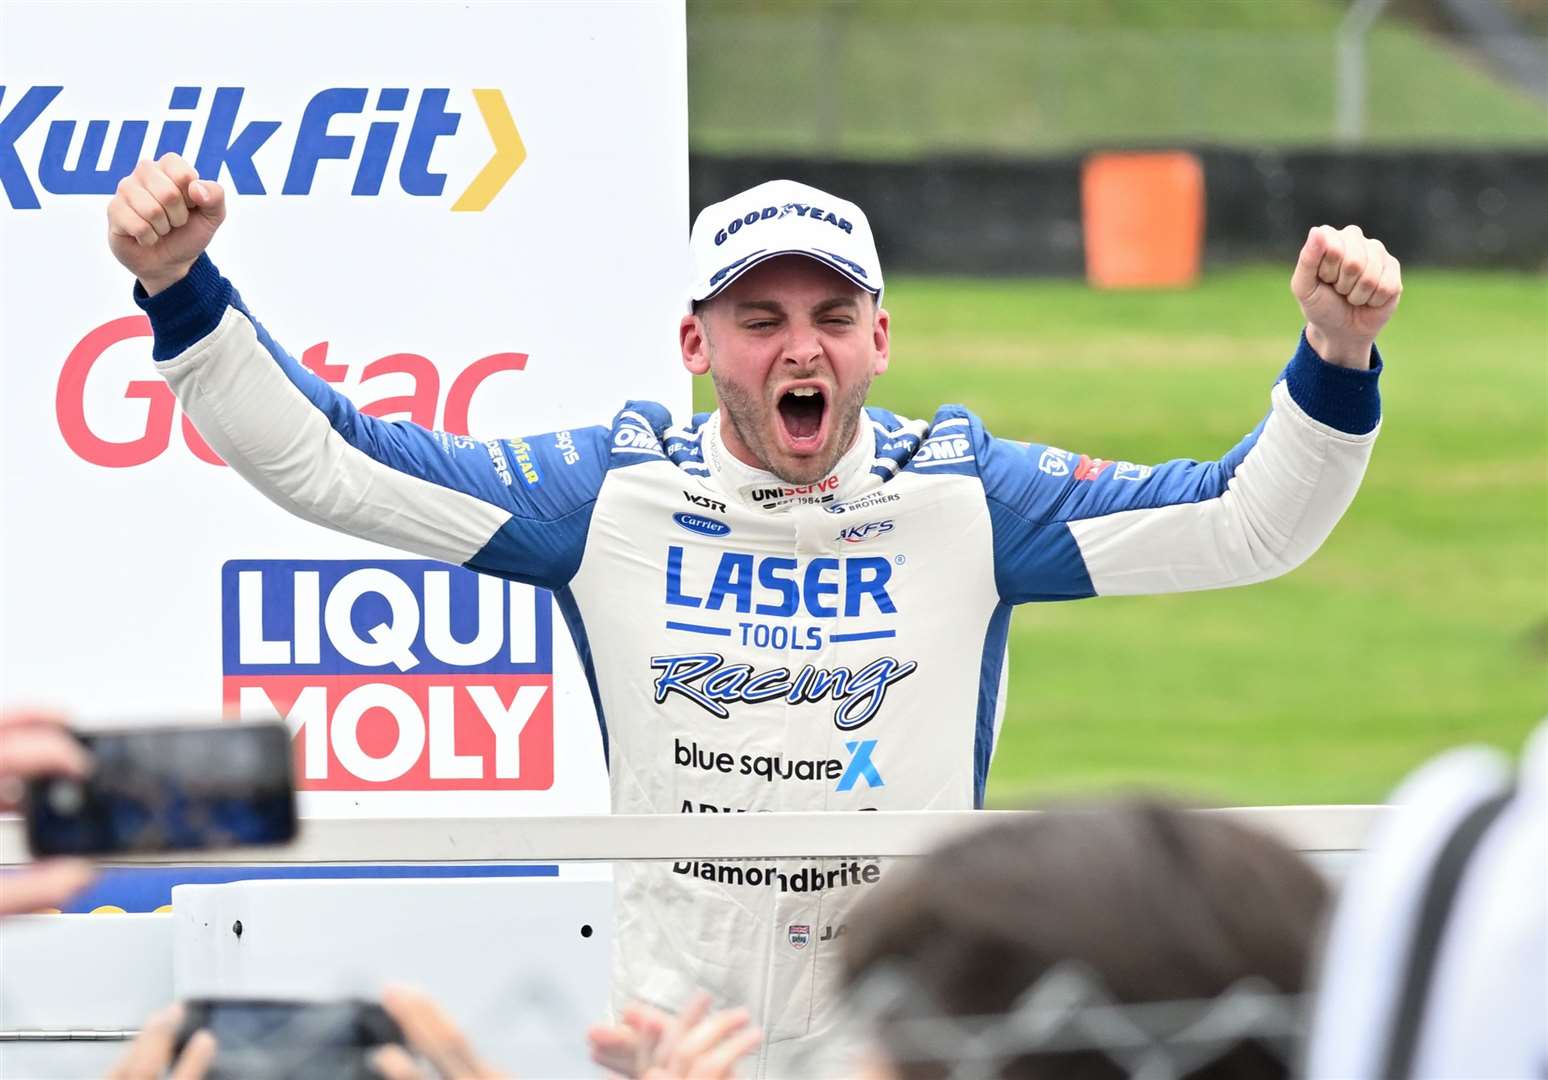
(1422, 623)
(887, 79)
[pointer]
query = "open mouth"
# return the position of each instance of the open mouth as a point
(801, 413)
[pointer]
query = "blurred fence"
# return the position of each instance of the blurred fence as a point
(900, 81)
(977, 215)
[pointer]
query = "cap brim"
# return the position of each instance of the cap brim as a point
(759, 257)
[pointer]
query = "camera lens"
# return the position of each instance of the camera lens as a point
(66, 797)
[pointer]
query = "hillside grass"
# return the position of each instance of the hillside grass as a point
(1422, 622)
(895, 80)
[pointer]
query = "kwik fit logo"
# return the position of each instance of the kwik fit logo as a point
(342, 133)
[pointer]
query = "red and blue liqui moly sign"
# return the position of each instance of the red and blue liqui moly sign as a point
(394, 675)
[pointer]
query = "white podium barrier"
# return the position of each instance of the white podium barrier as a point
(510, 957)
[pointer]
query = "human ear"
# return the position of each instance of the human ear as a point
(694, 343)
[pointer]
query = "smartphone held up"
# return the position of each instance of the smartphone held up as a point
(164, 789)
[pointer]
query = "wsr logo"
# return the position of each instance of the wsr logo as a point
(404, 675)
(226, 151)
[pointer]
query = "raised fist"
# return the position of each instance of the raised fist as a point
(162, 218)
(1348, 285)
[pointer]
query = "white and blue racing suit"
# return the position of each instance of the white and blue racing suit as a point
(835, 646)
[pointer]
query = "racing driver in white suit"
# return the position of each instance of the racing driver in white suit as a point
(818, 592)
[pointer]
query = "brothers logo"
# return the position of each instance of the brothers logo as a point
(397, 675)
(330, 128)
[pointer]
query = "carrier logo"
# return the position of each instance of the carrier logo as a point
(702, 525)
(400, 675)
(331, 134)
(859, 534)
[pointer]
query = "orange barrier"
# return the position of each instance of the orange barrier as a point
(1143, 219)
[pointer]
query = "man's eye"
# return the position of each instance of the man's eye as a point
(839, 320)
(760, 324)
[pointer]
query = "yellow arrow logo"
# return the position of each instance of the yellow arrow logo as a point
(509, 153)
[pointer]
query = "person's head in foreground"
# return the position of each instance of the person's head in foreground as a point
(787, 320)
(1131, 904)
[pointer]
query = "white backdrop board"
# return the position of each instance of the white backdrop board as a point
(378, 230)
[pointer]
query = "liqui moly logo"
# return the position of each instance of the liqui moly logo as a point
(394, 675)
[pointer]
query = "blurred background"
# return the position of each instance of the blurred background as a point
(966, 130)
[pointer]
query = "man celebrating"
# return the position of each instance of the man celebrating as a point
(818, 592)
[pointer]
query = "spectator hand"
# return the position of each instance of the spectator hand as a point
(34, 745)
(431, 1033)
(149, 1055)
(693, 1045)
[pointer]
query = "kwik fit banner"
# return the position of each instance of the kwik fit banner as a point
(470, 216)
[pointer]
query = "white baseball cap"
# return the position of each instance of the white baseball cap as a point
(780, 217)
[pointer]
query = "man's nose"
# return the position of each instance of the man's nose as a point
(802, 346)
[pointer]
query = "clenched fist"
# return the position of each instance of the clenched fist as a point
(161, 219)
(1348, 285)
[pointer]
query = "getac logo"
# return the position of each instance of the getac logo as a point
(705, 501)
(229, 149)
(859, 534)
(752, 217)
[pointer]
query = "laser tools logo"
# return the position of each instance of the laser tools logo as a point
(394, 675)
(251, 151)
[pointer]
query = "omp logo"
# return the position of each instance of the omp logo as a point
(397, 675)
(944, 450)
(355, 126)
